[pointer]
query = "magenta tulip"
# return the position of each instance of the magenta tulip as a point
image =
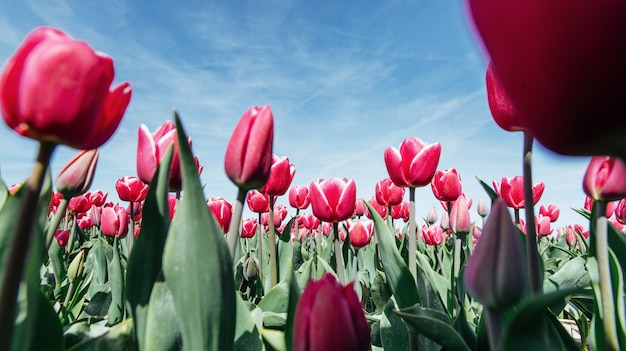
(334, 199)
(114, 221)
(249, 152)
(446, 185)
(329, 317)
(550, 211)
(299, 197)
(281, 175)
(222, 210)
(249, 227)
(432, 234)
(605, 178)
(131, 188)
(56, 89)
(414, 164)
(387, 193)
(361, 232)
(257, 201)
(512, 191)
(76, 176)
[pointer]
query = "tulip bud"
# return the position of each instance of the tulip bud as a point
(250, 269)
(482, 208)
(76, 176)
(75, 270)
(329, 316)
(496, 271)
(62, 237)
(605, 178)
(459, 217)
(431, 216)
(249, 152)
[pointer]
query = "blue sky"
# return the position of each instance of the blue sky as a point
(344, 80)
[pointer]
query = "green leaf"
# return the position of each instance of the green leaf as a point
(398, 275)
(92, 337)
(162, 326)
(247, 336)
(144, 263)
(277, 299)
(488, 189)
(116, 282)
(435, 325)
(197, 266)
(294, 296)
(393, 330)
(285, 254)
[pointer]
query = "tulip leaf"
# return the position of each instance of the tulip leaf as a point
(88, 337)
(285, 236)
(197, 266)
(305, 273)
(116, 282)
(294, 296)
(4, 193)
(144, 263)
(285, 255)
(488, 189)
(247, 336)
(394, 334)
(162, 327)
(277, 299)
(273, 339)
(397, 273)
(435, 325)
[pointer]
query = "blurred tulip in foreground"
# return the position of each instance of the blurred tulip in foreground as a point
(605, 178)
(502, 109)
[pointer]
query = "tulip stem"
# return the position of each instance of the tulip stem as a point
(18, 253)
(130, 236)
(235, 222)
(274, 276)
(412, 240)
(531, 234)
(338, 254)
(607, 305)
(55, 221)
(259, 247)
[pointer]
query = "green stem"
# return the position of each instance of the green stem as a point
(274, 273)
(259, 247)
(55, 221)
(130, 237)
(412, 240)
(338, 254)
(531, 234)
(604, 273)
(20, 245)
(235, 222)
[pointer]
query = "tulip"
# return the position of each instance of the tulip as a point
(329, 317)
(550, 211)
(152, 147)
(299, 197)
(605, 179)
(414, 164)
(131, 188)
(309, 221)
(459, 217)
(400, 211)
(446, 185)
(76, 176)
(84, 222)
(334, 199)
(444, 223)
(482, 208)
(512, 191)
(432, 234)
(281, 175)
(431, 216)
(171, 205)
(222, 210)
(97, 197)
(562, 64)
(79, 204)
(114, 221)
(359, 207)
(380, 209)
(55, 201)
(502, 109)
(249, 227)
(542, 225)
(56, 89)
(387, 193)
(620, 211)
(257, 201)
(496, 272)
(249, 152)
(610, 206)
(361, 232)
(62, 237)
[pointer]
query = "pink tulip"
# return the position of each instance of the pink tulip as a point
(387, 193)
(432, 234)
(542, 225)
(334, 199)
(482, 208)
(446, 185)
(562, 64)
(329, 317)
(401, 211)
(249, 227)
(131, 188)
(361, 232)
(380, 209)
(299, 197)
(249, 152)
(97, 197)
(309, 221)
(460, 217)
(62, 237)
(502, 109)
(512, 191)
(222, 210)
(605, 178)
(431, 216)
(359, 207)
(281, 175)
(414, 164)
(257, 201)
(620, 211)
(610, 206)
(79, 204)
(114, 221)
(550, 211)
(56, 89)
(76, 176)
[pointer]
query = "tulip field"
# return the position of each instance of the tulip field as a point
(170, 267)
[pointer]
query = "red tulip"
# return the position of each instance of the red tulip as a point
(380, 209)
(171, 205)
(605, 178)
(432, 234)
(361, 232)
(76, 176)
(56, 89)
(84, 222)
(249, 152)
(562, 63)
(62, 237)
(55, 201)
(131, 188)
(281, 175)
(620, 211)
(222, 210)
(97, 197)
(401, 211)
(329, 317)
(359, 207)
(257, 201)
(278, 218)
(414, 164)
(446, 185)
(542, 225)
(502, 109)
(79, 204)
(550, 211)
(334, 199)
(249, 227)
(387, 193)
(610, 206)
(114, 221)
(512, 191)
(309, 221)
(299, 197)
(152, 147)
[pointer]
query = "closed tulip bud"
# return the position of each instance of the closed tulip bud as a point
(542, 224)
(329, 317)
(114, 221)
(130, 188)
(250, 269)
(444, 223)
(249, 151)
(281, 175)
(482, 208)
(431, 216)
(446, 185)
(414, 164)
(605, 178)
(62, 237)
(222, 210)
(501, 106)
(359, 207)
(76, 268)
(56, 89)
(76, 176)
(79, 204)
(257, 201)
(334, 199)
(387, 193)
(460, 222)
(496, 271)
(299, 197)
